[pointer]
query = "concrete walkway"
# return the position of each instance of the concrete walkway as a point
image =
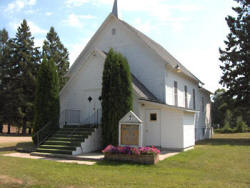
(28, 156)
(86, 159)
(166, 154)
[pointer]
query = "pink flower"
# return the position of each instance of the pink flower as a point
(107, 149)
(131, 150)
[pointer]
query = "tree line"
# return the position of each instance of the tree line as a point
(20, 63)
(231, 106)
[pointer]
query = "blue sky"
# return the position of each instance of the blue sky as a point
(191, 30)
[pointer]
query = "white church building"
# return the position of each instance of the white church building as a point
(167, 97)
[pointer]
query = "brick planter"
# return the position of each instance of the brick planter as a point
(142, 159)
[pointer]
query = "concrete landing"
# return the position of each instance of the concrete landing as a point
(91, 156)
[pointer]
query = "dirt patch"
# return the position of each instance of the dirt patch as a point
(11, 139)
(9, 180)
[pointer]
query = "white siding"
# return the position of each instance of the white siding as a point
(202, 119)
(188, 130)
(170, 77)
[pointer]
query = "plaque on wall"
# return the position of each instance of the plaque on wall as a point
(130, 130)
(129, 134)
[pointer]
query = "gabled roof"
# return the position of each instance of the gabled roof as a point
(130, 117)
(137, 86)
(157, 48)
(167, 57)
(141, 90)
(164, 105)
(88, 48)
(87, 55)
(205, 90)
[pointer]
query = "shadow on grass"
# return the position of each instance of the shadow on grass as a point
(225, 141)
(26, 147)
(4, 149)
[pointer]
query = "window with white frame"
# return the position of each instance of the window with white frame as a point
(153, 117)
(194, 105)
(175, 93)
(113, 31)
(186, 97)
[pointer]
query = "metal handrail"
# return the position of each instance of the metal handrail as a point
(72, 133)
(38, 132)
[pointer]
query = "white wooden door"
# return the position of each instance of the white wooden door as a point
(152, 128)
(93, 106)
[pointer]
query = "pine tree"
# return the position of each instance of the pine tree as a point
(25, 60)
(47, 99)
(7, 112)
(3, 74)
(54, 49)
(116, 95)
(235, 58)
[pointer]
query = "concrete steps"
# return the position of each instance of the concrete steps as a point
(65, 140)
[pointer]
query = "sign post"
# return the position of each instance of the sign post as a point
(130, 131)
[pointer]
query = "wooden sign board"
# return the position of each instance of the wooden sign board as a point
(130, 134)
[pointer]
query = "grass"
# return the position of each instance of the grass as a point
(223, 161)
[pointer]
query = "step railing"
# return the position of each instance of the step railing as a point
(38, 134)
(72, 133)
(94, 118)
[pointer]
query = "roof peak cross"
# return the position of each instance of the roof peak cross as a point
(115, 9)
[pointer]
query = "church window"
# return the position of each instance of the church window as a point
(194, 106)
(113, 31)
(175, 93)
(186, 97)
(203, 131)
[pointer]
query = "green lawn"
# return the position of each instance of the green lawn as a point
(223, 161)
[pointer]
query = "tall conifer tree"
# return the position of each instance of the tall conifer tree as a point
(235, 58)
(116, 95)
(7, 78)
(3, 75)
(47, 105)
(25, 59)
(54, 49)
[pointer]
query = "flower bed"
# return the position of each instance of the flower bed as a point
(144, 155)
